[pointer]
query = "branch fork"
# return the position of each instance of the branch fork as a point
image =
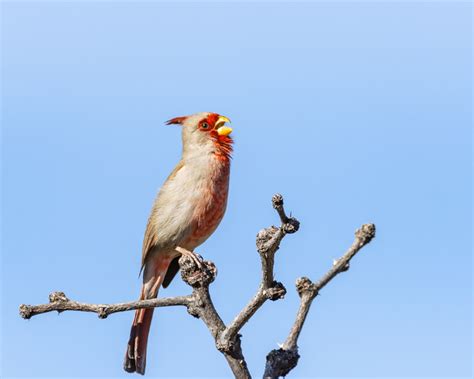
(281, 361)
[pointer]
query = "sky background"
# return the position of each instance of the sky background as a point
(356, 112)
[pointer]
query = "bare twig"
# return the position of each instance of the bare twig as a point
(268, 242)
(59, 302)
(281, 361)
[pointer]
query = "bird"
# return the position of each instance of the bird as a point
(187, 210)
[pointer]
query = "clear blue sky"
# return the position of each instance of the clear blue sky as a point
(356, 112)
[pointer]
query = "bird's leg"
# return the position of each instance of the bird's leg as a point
(191, 254)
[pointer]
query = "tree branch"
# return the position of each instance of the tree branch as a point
(281, 361)
(268, 242)
(199, 304)
(59, 302)
(199, 278)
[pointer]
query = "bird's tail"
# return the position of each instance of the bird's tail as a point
(135, 356)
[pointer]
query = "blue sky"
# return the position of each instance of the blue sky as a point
(355, 111)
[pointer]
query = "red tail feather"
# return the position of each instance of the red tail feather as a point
(135, 356)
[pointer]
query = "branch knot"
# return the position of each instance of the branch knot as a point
(197, 276)
(276, 291)
(305, 286)
(103, 312)
(58, 297)
(291, 225)
(280, 362)
(264, 239)
(193, 310)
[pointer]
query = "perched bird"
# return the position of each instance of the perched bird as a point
(187, 210)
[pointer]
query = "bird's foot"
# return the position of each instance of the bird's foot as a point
(191, 254)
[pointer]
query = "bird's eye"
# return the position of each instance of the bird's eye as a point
(204, 125)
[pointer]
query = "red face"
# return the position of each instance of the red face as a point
(213, 124)
(209, 123)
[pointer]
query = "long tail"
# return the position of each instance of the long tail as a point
(135, 356)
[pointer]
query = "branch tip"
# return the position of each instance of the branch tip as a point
(365, 233)
(25, 311)
(277, 200)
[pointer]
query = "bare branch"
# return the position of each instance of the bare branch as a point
(199, 304)
(268, 242)
(362, 237)
(59, 302)
(281, 361)
(199, 278)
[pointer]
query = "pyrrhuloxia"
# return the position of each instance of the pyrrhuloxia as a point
(187, 210)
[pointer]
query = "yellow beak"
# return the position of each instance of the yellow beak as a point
(223, 130)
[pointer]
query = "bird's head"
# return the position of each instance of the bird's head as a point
(205, 133)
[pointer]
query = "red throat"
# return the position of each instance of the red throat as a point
(223, 147)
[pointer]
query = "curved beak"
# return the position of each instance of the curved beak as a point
(221, 129)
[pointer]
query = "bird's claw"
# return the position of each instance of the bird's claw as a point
(197, 259)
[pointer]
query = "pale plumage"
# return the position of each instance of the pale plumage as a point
(187, 210)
